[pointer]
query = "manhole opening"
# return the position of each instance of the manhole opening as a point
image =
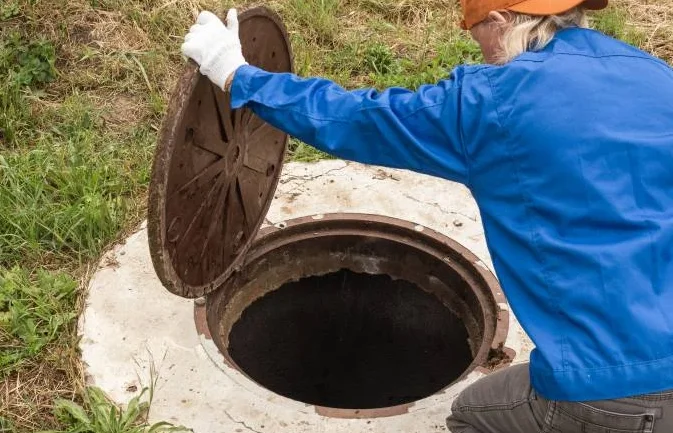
(355, 313)
(352, 341)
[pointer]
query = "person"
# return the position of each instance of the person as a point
(565, 139)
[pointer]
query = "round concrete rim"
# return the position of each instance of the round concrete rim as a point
(133, 331)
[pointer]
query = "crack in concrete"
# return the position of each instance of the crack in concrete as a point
(242, 423)
(440, 208)
(308, 177)
(298, 188)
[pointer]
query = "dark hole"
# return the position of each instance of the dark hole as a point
(351, 341)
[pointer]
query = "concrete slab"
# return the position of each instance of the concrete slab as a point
(132, 326)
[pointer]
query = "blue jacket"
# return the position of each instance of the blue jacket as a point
(569, 155)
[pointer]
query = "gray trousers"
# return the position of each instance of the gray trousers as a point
(504, 402)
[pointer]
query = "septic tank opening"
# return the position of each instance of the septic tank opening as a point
(351, 340)
(356, 315)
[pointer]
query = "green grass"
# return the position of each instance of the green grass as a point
(318, 19)
(69, 194)
(35, 309)
(70, 183)
(98, 414)
(24, 65)
(613, 22)
(387, 70)
(83, 88)
(301, 152)
(65, 185)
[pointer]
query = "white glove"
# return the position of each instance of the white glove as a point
(215, 47)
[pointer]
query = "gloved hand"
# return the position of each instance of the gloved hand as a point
(215, 47)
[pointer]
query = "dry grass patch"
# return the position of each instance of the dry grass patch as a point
(409, 12)
(654, 20)
(28, 395)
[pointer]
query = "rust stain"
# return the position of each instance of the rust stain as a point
(363, 413)
(499, 358)
(201, 321)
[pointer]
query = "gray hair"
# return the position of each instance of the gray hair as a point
(528, 32)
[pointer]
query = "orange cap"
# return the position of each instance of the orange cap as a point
(475, 11)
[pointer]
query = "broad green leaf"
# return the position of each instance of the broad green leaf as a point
(72, 409)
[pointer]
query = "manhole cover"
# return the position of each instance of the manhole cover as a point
(215, 170)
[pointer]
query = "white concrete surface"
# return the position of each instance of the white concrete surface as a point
(131, 323)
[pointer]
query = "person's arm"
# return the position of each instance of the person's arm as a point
(394, 128)
(420, 131)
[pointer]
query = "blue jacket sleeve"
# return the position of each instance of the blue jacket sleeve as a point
(397, 128)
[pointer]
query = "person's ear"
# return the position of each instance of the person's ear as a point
(497, 17)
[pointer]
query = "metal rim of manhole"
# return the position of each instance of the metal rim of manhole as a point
(215, 170)
(305, 246)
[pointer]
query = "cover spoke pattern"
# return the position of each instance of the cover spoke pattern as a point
(215, 170)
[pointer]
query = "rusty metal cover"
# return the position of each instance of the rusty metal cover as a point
(215, 170)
